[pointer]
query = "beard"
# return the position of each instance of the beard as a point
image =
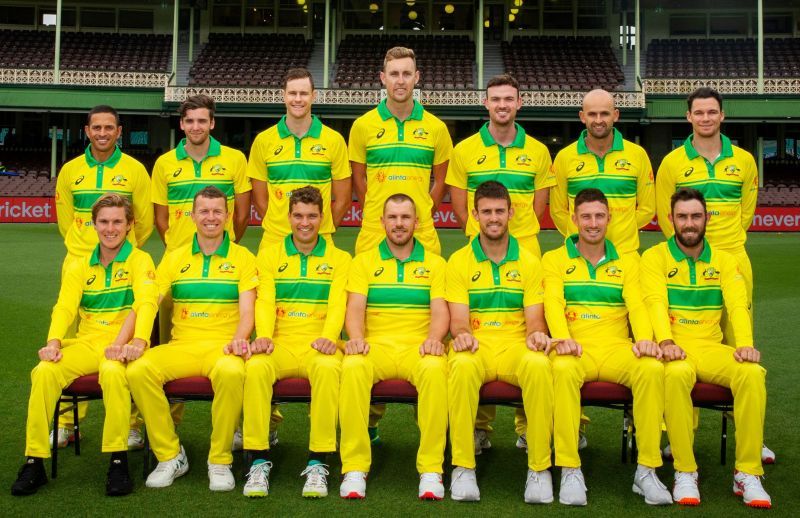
(690, 242)
(400, 241)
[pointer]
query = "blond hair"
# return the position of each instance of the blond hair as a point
(399, 53)
(113, 199)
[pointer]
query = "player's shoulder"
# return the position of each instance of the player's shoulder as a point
(655, 252)
(742, 154)
(337, 254)
(461, 255)
(434, 260)
(528, 258)
(271, 252)
(72, 165)
(165, 160)
(676, 155)
(241, 252)
(722, 256)
(131, 164)
(329, 134)
(533, 145)
(137, 254)
(231, 153)
(633, 147)
(469, 145)
(567, 151)
(366, 117)
(430, 118)
(555, 255)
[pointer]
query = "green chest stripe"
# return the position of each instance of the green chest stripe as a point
(716, 190)
(520, 182)
(609, 185)
(498, 301)
(296, 290)
(206, 292)
(295, 172)
(83, 200)
(401, 295)
(185, 191)
(399, 155)
(591, 294)
(111, 300)
(694, 298)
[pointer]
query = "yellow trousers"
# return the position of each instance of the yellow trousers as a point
(710, 362)
(368, 240)
(517, 365)
(611, 361)
(174, 360)
(292, 361)
(384, 362)
(747, 273)
(79, 357)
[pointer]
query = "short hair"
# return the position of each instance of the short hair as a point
(589, 195)
(704, 92)
(196, 102)
(102, 108)
(308, 195)
(399, 53)
(210, 192)
(399, 197)
(492, 190)
(501, 80)
(298, 73)
(113, 199)
(686, 194)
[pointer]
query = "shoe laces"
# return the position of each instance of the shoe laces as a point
(570, 474)
(354, 475)
(219, 470)
(650, 474)
(750, 482)
(316, 474)
(259, 473)
(685, 478)
(431, 477)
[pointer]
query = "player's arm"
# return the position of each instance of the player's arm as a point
(162, 220)
(337, 307)
(559, 201)
(749, 192)
(359, 181)
(438, 186)
(734, 295)
(342, 195)
(637, 313)
(241, 214)
(554, 302)
(158, 195)
(533, 306)
(458, 304)
(440, 313)
(64, 312)
(540, 199)
(257, 173)
(142, 207)
(240, 343)
(645, 193)
(260, 197)
(654, 294)
(357, 152)
(665, 187)
(442, 151)
(456, 179)
(65, 211)
(355, 322)
(544, 181)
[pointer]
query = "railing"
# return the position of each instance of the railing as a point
(41, 76)
(744, 86)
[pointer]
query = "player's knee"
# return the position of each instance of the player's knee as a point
(139, 371)
(355, 365)
(229, 368)
(566, 368)
(650, 369)
(112, 371)
(463, 364)
(534, 363)
(432, 367)
(750, 374)
(325, 365)
(45, 370)
(679, 373)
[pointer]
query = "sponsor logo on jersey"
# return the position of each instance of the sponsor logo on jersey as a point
(79, 179)
(571, 316)
(476, 323)
(378, 272)
(277, 150)
(119, 180)
(688, 172)
(481, 159)
(177, 172)
(318, 149)
(476, 276)
(90, 280)
(279, 194)
(513, 276)
(151, 275)
(121, 275)
(381, 133)
(282, 267)
(420, 272)
(570, 269)
(579, 166)
(672, 273)
(380, 177)
(185, 268)
(218, 170)
(324, 269)
(613, 271)
(227, 267)
(420, 134)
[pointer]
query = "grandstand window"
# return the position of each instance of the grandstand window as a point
(292, 14)
(687, 25)
(777, 23)
(734, 25)
(592, 14)
(100, 18)
(362, 14)
(227, 15)
(17, 15)
(259, 16)
(139, 138)
(462, 17)
(130, 19)
(67, 17)
(407, 17)
(558, 14)
(526, 19)
(627, 36)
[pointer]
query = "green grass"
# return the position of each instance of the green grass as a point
(31, 259)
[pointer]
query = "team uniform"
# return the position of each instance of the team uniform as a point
(497, 295)
(286, 162)
(524, 167)
(398, 318)
(177, 178)
(399, 156)
(300, 298)
(205, 290)
(102, 298)
(624, 175)
(593, 306)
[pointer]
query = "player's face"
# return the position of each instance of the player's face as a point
(493, 215)
(591, 218)
(197, 125)
(502, 102)
(112, 227)
(298, 97)
(209, 216)
(103, 132)
(689, 220)
(305, 220)
(399, 77)
(399, 220)
(706, 117)
(599, 115)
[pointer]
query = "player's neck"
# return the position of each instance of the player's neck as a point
(102, 156)
(209, 245)
(495, 249)
(298, 127)
(107, 255)
(503, 134)
(197, 152)
(599, 146)
(401, 111)
(305, 248)
(594, 253)
(708, 147)
(401, 252)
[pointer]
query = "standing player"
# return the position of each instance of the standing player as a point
(396, 319)
(299, 316)
(591, 293)
(494, 290)
(212, 282)
(113, 293)
(296, 152)
(686, 282)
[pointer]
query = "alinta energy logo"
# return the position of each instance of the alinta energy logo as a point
(119, 180)
(279, 194)
(476, 323)
(571, 316)
(380, 177)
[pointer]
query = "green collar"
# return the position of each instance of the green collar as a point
(319, 248)
(617, 145)
(691, 152)
(417, 254)
(221, 251)
(313, 131)
(121, 257)
(112, 161)
(416, 113)
(573, 252)
(214, 148)
(512, 254)
(678, 255)
(488, 139)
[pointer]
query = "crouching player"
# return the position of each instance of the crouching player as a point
(113, 292)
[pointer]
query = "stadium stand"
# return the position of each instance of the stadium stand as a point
(26, 49)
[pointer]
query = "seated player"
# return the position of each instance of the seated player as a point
(686, 282)
(299, 316)
(212, 281)
(113, 293)
(396, 320)
(494, 290)
(591, 293)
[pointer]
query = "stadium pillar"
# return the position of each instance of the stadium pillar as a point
(175, 14)
(479, 44)
(327, 53)
(760, 43)
(760, 155)
(53, 150)
(636, 50)
(57, 57)
(191, 34)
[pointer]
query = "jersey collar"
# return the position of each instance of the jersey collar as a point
(416, 112)
(314, 130)
(417, 253)
(121, 257)
(112, 161)
(573, 252)
(221, 251)
(678, 255)
(512, 254)
(691, 152)
(488, 139)
(319, 248)
(616, 145)
(214, 148)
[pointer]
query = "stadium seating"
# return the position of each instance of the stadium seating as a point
(31, 183)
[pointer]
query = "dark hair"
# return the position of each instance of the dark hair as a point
(210, 192)
(298, 73)
(102, 108)
(589, 195)
(308, 195)
(501, 80)
(113, 199)
(196, 102)
(492, 190)
(399, 197)
(704, 92)
(687, 194)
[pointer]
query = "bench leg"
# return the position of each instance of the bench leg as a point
(76, 425)
(146, 453)
(54, 445)
(624, 458)
(723, 441)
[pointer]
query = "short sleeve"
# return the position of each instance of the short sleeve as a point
(357, 278)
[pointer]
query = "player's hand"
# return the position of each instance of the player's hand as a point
(670, 351)
(133, 351)
(431, 346)
(51, 352)
(261, 345)
(324, 345)
(465, 342)
(567, 346)
(539, 341)
(747, 354)
(114, 352)
(647, 348)
(356, 346)
(238, 347)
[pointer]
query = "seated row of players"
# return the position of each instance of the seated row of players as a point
(546, 327)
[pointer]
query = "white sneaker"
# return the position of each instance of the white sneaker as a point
(481, 438)
(573, 487)
(685, 491)
(257, 484)
(354, 485)
(430, 486)
(166, 472)
(220, 477)
(316, 485)
(647, 484)
(65, 436)
(767, 455)
(464, 485)
(539, 487)
(237, 444)
(135, 439)
(749, 487)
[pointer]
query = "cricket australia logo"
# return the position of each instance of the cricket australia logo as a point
(613, 271)
(217, 170)
(119, 180)
(711, 274)
(421, 272)
(513, 276)
(121, 275)
(420, 134)
(227, 267)
(524, 160)
(324, 269)
(622, 164)
(318, 149)
(731, 170)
